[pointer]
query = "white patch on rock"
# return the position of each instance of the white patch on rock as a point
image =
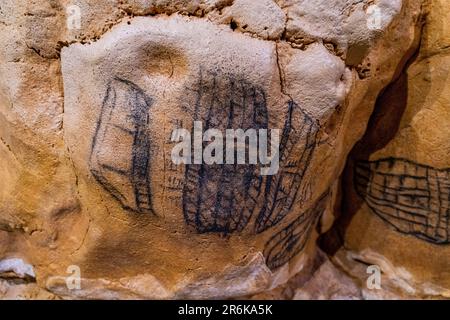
(17, 266)
(144, 286)
(317, 76)
(234, 281)
(394, 277)
(341, 22)
(263, 17)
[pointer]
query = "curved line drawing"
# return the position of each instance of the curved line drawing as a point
(291, 240)
(297, 146)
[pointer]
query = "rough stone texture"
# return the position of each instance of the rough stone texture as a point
(329, 283)
(86, 117)
(400, 178)
(11, 290)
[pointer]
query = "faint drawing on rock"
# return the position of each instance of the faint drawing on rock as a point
(291, 240)
(121, 147)
(414, 198)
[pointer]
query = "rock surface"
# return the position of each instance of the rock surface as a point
(90, 93)
(400, 176)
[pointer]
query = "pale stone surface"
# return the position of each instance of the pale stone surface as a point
(264, 18)
(397, 283)
(328, 283)
(59, 208)
(18, 267)
(24, 291)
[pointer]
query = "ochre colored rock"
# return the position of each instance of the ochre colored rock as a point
(86, 124)
(396, 213)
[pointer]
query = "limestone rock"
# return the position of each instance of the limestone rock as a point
(397, 210)
(90, 95)
(328, 283)
(24, 291)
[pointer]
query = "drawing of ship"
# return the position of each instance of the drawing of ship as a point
(297, 145)
(222, 197)
(413, 198)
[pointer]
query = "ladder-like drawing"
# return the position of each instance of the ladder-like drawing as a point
(121, 147)
(413, 198)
